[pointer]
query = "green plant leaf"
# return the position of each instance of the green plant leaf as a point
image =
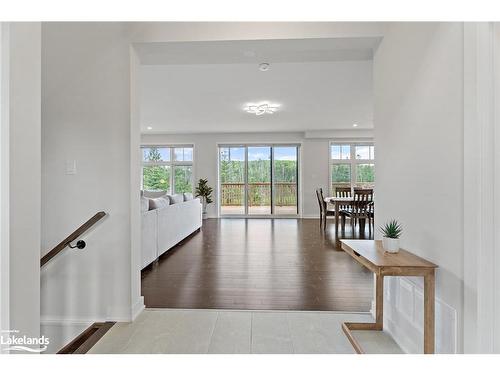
(204, 191)
(391, 229)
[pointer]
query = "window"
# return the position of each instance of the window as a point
(352, 165)
(167, 168)
(341, 152)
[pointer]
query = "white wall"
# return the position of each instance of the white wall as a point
(135, 181)
(4, 178)
(418, 118)
(86, 118)
(20, 185)
(314, 158)
(481, 195)
(24, 188)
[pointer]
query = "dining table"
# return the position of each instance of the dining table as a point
(338, 201)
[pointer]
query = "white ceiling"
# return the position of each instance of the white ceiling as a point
(196, 87)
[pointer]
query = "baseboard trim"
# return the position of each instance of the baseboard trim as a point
(137, 308)
(68, 321)
(404, 343)
(54, 320)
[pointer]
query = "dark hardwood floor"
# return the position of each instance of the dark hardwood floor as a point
(259, 264)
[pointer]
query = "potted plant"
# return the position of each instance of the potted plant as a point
(391, 232)
(205, 193)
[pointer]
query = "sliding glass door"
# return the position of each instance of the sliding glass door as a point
(258, 180)
(286, 170)
(232, 180)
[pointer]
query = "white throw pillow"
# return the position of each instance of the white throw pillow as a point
(188, 196)
(156, 203)
(176, 198)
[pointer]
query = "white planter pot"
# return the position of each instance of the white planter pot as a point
(204, 208)
(391, 245)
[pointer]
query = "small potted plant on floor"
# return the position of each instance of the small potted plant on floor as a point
(391, 232)
(205, 193)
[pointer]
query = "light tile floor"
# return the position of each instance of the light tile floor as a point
(227, 331)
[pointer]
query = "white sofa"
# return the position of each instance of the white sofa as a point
(165, 226)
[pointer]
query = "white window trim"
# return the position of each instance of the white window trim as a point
(171, 163)
(353, 162)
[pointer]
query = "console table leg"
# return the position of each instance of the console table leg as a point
(429, 301)
(379, 302)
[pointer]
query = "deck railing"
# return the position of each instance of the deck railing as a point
(259, 194)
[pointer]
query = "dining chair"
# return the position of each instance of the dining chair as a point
(359, 208)
(324, 211)
(343, 192)
(363, 190)
(371, 217)
(368, 191)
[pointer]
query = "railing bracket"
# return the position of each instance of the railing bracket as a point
(80, 245)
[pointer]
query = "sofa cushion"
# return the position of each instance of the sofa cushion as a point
(161, 202)
(144, 204)
(176, 198)
(188, 196)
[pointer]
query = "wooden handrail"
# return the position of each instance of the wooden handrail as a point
(73, 236)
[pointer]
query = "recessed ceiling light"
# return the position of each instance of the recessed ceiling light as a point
(149, 128)
(354, 125)
(263, 67)
(262, 108)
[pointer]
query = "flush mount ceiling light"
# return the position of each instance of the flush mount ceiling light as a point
(149, 128)
(262, 108)
(354, 125)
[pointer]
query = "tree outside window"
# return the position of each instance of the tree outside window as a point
(158, 164)
(352, 165)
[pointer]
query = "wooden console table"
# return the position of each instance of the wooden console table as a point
(370, 254)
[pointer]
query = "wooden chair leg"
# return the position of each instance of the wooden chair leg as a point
(362, 225)
(343, 223)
